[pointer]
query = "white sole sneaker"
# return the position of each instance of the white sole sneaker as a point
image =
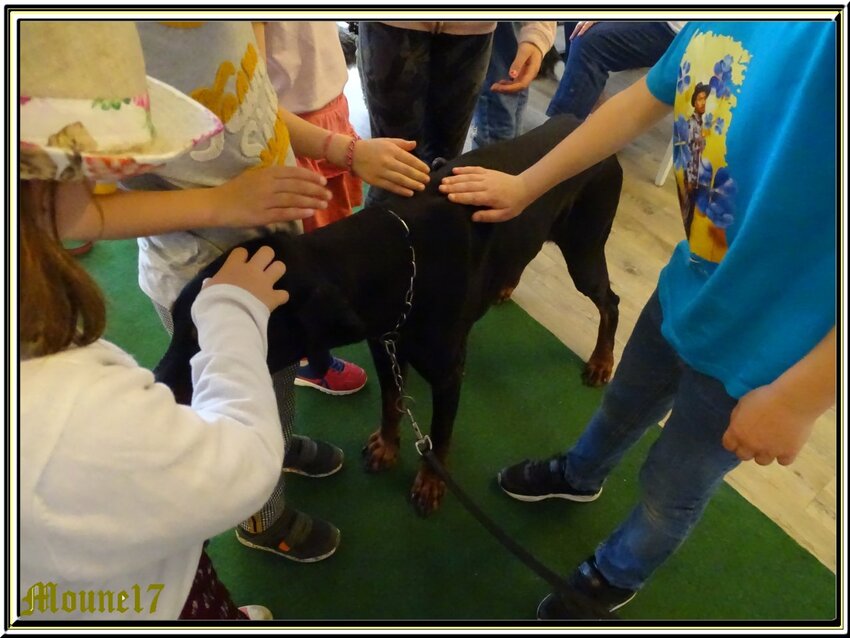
(309, 384)
(529, 498)
(293, 470)
(271, 550)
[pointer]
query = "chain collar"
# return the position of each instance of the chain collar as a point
(390, 341)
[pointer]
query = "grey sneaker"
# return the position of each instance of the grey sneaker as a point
(310, 457)
(296, 536)
(539, 480)
(588, 581)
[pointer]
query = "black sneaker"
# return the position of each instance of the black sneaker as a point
(539, 480)
(296, 536)
(310, 457)
(588, 581)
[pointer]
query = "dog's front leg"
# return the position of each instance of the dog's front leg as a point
(381, 450)
(428, 488)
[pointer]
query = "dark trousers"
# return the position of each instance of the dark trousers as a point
(421, 86)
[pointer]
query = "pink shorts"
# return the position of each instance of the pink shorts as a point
(346, 189)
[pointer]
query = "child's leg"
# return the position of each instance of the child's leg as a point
(458, 67)
(394, 66)
(276, 528)
(318, 364)
(208, 598)
(681, 473)
(607, 46)
(164, 317)
(282, 382)
(498, 116)
(682, 470)
(323, 371)
(640, 394)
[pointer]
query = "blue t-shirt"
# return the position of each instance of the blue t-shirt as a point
(753, 288)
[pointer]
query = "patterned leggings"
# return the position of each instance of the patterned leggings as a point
(284, 389)
(209, 599)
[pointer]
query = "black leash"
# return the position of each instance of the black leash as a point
(578, 605)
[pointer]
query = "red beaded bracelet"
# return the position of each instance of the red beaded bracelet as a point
(349, 154)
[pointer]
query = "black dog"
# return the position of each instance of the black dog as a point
(348, 282)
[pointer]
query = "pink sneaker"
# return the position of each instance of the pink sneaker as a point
(342, 377)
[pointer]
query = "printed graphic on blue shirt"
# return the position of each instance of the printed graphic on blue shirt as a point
(711, 74)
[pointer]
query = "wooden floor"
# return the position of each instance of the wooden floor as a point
(801, 498)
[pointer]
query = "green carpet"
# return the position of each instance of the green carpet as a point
(522, 398)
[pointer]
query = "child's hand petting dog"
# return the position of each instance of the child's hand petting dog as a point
(257, 275)
(502, 196)
(388, 163)
(260, 196)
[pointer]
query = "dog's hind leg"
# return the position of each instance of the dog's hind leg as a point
(581, 236)
(507, 290)
(381, 450)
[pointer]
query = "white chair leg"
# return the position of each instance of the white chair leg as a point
(665, 166)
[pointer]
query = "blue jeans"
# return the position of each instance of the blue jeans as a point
(605, 47)
(498, 116)
(683, 468)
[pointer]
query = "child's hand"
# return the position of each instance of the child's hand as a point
(523, 70)
(767, 425)
(502, 196)
(774, 421)
(261, 196)
(387, 163)
(257, 275)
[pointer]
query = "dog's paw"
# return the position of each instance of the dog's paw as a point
(427, 493)
(380, 453)
(597, 371)
(505, 294)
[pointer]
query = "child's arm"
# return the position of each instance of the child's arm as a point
(617, 122)
(533, 41)
(171, 474)
(257, 197)
(383, 162)
(775, 420)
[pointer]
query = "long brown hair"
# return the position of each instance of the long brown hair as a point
(60, 304)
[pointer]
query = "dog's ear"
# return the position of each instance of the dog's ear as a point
(328, 319)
